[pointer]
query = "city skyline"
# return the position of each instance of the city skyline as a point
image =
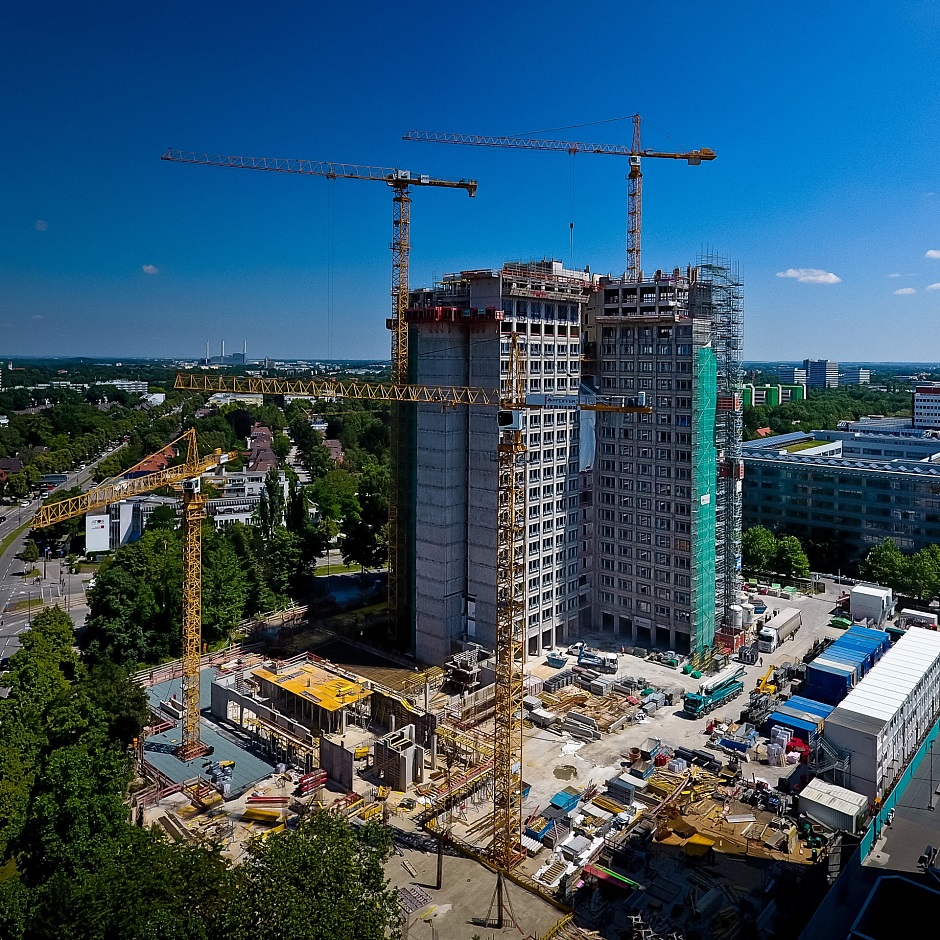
(822, 188)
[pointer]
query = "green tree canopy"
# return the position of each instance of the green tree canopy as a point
(790, 560)
(758, 549)
(323, 882)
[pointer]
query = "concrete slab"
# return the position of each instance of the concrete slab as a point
(160, 749)
(454, 910)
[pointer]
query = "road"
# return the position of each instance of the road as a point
(55, 584)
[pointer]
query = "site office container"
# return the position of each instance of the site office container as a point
(834, 807)
(819, 709)
(828, 682)
(852, 658)
(865, 651)
(872, 650)
(878, 638)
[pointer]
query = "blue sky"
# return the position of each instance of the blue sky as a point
(825, 118)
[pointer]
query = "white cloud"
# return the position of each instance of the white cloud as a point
(41, 225)
(904, 291)
(894, 275)
(934, 286)
(38, 316)
(150, 269)
(810, 275)
(933, 253)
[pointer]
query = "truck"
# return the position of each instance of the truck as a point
(781, 626)
(716, 691)
(603, 662)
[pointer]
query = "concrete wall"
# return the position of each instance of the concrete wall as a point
(337, 761)
(455, 483)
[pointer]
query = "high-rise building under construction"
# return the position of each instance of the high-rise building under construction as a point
(632, 520)
(665, 501)
(460, 334)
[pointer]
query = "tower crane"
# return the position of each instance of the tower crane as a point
(510, 403)
(194, 511)
(634, 181)
(400, 182)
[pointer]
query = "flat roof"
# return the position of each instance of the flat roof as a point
(872, 590)
(828, 794)
(889, 684)
(160, 749)
(325, 689)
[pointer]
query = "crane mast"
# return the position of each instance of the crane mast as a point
(506, 848)
(194, 511)
(400, 182)
(635, 152)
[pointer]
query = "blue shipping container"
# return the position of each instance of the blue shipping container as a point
(565, 801)
(827, 682)
(810, 705)
(804, 730)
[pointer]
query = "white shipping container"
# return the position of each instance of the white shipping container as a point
(833, 806)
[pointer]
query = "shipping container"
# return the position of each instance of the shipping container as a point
(821, 709)
(804, 730)
(834, 807)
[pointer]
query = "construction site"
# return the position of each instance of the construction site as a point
(635, 814)
(564, 610)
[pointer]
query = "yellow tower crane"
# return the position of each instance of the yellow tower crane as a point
(194, 511)
(634, 181)
(511, 402)
(400, 182)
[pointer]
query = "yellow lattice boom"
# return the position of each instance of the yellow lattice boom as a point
(194, 511)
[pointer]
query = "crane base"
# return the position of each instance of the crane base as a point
(192, 751)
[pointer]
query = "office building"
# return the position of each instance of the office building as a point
(120, 523)
(791, 375)
(124, 522)
(821, 373)
(855, 375)
(461, 332)
(667, 486)
(927, 405)
(841, 494)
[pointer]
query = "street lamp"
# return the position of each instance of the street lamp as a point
(930, 791)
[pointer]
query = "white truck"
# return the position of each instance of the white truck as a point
(781, 626)
(602, 662)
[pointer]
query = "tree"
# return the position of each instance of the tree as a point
(888, 566)
(364, 528)
(284, 559)
(274, 489)
(758, 549)
(30, 552)
(40, 675)
(18, 485)
(790, 560)
(924, 574)
(224, 586)
(323, 882)
(281, 445)
(163, 517)
(335, 495)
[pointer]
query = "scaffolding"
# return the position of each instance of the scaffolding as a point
(720, 298)
(703, 511)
